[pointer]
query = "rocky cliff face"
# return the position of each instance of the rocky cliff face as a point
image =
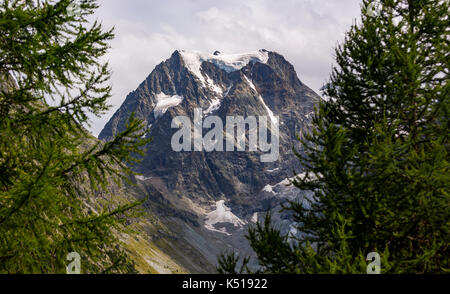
(215, 195)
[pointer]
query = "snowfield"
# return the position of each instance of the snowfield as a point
(222, 214)
(164, 102)
(227, 62)
(281, 187)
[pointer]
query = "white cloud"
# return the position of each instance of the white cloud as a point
(148, 31)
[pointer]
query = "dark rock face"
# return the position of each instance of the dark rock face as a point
(224, 89)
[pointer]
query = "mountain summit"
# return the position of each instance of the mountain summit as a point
(221, 192)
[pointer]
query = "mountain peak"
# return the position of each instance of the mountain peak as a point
(246, 85)
(227, 62)
(259, 82)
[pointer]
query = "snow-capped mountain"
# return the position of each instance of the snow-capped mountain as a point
(216, 195)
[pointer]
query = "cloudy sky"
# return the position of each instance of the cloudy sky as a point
(148, 31)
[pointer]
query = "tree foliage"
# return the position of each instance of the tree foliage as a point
(377, 158)
(55, 178)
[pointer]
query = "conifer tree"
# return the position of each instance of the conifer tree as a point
(377, 158)
(55, 177)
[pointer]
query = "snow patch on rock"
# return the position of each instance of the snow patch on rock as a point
(222, 214)
(254, 218)
(268, 188)
(228, 62)
(269, 111)
(228, 91)
(272, 117)
(281, 186)
(214, 87)
(142, 178)
(250, 83)
(215, 105)
(164, 102)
